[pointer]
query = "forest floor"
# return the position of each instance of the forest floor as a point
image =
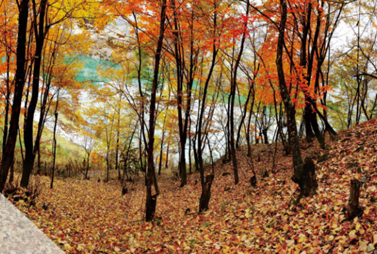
(93, 217)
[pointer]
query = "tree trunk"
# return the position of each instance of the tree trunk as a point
(309, 183)
(8, 152)
(190, 148)
(206, 194)
(107, 164)
(195, 155)
(353, 208)
(150, 207)
(167, 156)
(151, 201)
(232, 100)
(162, 146)
(117, 167)
(303, 178)
(39, 162)
(40, 34)
(87, 166)
(180, 75)
(7, 103)
(54, 141)
(11, 177)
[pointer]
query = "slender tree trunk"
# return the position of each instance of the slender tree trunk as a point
(161, 147)
(190, 147)
(195, 155)
(203, 102)
(55, 143)
(206, 185)
(39, 162)
(7, 103)
(243, 118)
(8, 153)
(248, 136)
(151, 201)
(305, 179)
(211, 156)
(28, 132)
(233, 95)
(117, 168)
(87, 165)
(167, 156)
(107, 164)
(141, 157)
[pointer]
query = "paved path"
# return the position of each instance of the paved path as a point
(18, 235)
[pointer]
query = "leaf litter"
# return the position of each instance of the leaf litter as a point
(90, 217)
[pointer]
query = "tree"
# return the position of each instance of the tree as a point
(45, 16)
(88, 144)
(7, 48)
(302, 176)
(8, 153)
(151, 200)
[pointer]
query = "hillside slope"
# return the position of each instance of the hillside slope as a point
(66, 149)
(92, 217)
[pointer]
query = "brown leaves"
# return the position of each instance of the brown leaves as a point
(89, 217)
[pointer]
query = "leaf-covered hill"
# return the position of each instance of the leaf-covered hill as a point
(93, 217)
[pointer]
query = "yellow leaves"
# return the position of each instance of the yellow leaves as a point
(358, 226)
(290, 243)
(303, 238)
(352, 235)
(67, 246)
(82, 247)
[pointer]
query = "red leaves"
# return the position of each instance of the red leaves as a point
(93, 217)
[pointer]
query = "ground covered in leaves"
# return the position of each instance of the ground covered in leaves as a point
(93, 217)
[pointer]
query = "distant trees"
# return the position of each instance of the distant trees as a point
(88, 145)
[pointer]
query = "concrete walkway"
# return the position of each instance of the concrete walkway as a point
(18, 235)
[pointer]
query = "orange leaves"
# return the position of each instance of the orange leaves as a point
(92, 216)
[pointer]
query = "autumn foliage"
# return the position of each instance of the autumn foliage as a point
(228, 126)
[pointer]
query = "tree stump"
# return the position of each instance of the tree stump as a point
(353, 208)
(308, 182)
(206, 194)
(253, 181)
(151, 207)
(124, 190)
(265, 174)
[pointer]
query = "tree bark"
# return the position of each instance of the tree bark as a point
(55, 143)
(300, 176)
(151, 201)
(8, 152)
(40, 34)
(353, 208)
(206, 194)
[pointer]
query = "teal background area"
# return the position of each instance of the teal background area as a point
(90, 67)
